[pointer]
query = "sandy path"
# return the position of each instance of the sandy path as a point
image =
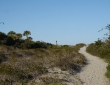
(94, 72)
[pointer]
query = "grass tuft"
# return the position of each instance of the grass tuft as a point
(24, 65)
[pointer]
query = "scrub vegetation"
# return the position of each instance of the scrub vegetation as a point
(24, 60)
(101, 48)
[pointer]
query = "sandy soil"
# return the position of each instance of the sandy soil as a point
(65, 76)
(94, 72)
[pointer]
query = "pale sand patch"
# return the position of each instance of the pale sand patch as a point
(94, 72)
(68, 79)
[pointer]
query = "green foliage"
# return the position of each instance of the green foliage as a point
(78, 46)
(10, 41)
(12, 34)
(26, 33)
(22, 60)
(15, 39)
(19, 36)
(98, 43)
(34, 62)
(3, 38)
(102, 49)
(108, 71)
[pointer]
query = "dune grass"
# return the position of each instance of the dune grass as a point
(24, 65)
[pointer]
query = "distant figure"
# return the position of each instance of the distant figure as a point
(56, 43)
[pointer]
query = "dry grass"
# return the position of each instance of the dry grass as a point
(18, 65)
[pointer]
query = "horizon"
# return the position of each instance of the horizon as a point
(65, 21)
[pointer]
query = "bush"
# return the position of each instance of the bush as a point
(36, 61)
(108, 71)
(101, 50)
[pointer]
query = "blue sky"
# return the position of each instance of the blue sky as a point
(67, 21)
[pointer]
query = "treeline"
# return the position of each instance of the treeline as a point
(16, 40)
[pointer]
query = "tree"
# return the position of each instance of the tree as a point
(12, 34)
(18, 39)
(11, 40)
(28, 42)
(29, 39)
(108, 28)
(26, 33)
(19, 35)
(107, 34)
(3, 38)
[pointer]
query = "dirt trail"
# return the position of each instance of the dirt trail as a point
(94, 72)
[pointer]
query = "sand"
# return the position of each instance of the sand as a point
(94, 72)
(91, 74)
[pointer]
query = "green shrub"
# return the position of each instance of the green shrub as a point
(102, 51)
(36, 62)
(108, 72)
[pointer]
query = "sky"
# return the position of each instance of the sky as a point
(65, 21)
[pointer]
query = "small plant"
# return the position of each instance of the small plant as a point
(108, 71)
